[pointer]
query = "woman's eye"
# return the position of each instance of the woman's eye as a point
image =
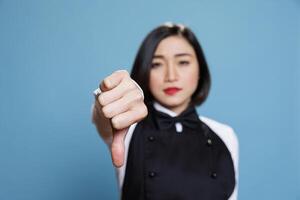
(154, 65)
(184, 62)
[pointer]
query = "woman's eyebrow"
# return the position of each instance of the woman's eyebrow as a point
(158, 56)
(176, 55)
(182, 54)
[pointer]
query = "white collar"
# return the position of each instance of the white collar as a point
(163, 109)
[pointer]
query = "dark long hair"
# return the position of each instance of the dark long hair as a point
(143, 61)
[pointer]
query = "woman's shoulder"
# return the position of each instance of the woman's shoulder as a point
(226, 134)
(221, 129)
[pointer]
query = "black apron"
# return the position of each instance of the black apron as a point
(163, 164)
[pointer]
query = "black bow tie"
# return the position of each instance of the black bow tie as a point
(188, 118)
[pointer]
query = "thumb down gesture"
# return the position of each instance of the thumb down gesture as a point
(119, 105)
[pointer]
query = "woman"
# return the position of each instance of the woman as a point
(160, 146)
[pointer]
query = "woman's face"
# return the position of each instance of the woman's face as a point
(174, 74)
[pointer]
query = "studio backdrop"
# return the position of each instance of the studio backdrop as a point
(53, 54)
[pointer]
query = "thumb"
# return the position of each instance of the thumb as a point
(118, 147)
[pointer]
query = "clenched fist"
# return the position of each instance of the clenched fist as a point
(117, 107)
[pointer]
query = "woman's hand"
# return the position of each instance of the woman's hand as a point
(120, 105)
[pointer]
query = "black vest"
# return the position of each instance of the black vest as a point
(167, 165)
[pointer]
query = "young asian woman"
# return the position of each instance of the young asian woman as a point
(160, 146)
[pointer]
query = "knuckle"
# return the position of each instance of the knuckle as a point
(131, 85)
(106, 82)
(101, 100)
(145, 110)
(106, 112)
(141, 111)
(115, 121)
(140, 97)
(137, 96)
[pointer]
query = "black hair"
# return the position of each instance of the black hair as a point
(143, 61)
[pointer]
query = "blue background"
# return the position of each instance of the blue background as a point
(53, 54)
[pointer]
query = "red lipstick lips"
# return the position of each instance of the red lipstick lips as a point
(171, 90)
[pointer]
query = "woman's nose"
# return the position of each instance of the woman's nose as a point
(171, 74)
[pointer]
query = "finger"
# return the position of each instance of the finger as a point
(129, 117)
(123, 104)
(125, 86)
(113, 80)
(118, 147)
